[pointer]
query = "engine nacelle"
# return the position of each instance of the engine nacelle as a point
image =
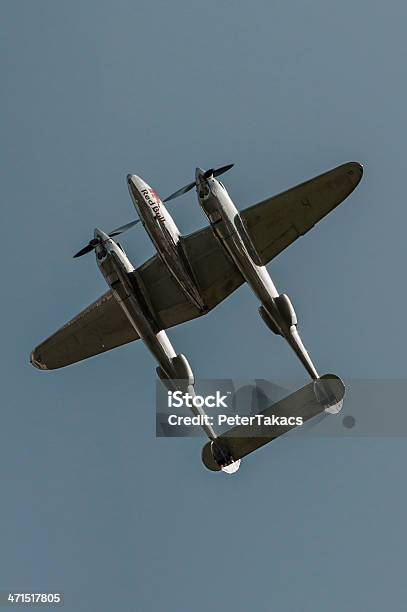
(286, 309)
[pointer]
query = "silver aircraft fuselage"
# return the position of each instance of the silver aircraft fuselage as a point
(166, 237)
(276, 310)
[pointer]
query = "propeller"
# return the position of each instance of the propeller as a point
(212, 172)
(95, 241)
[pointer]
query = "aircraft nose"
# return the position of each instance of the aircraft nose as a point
(129, 178)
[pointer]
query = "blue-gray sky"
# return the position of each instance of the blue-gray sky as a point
(92, 504)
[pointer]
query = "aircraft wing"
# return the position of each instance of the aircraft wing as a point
(103, 325)
(276, 222)
(273, 225)
(96, 329)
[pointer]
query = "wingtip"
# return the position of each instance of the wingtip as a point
(359, 165)
(35, 361)
(356, 166)
(354, 171)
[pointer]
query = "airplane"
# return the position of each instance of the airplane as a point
(272, 225)
(238, 234)
(190, 275)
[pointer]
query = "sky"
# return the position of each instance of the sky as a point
(92, 504)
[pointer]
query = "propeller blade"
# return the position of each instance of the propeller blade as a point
(87, 249)
(123, 228)
(180, 192)
(222, 169)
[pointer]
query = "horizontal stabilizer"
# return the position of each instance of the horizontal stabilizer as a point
(302, 404)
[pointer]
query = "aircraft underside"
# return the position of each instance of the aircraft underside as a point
(189, 276)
